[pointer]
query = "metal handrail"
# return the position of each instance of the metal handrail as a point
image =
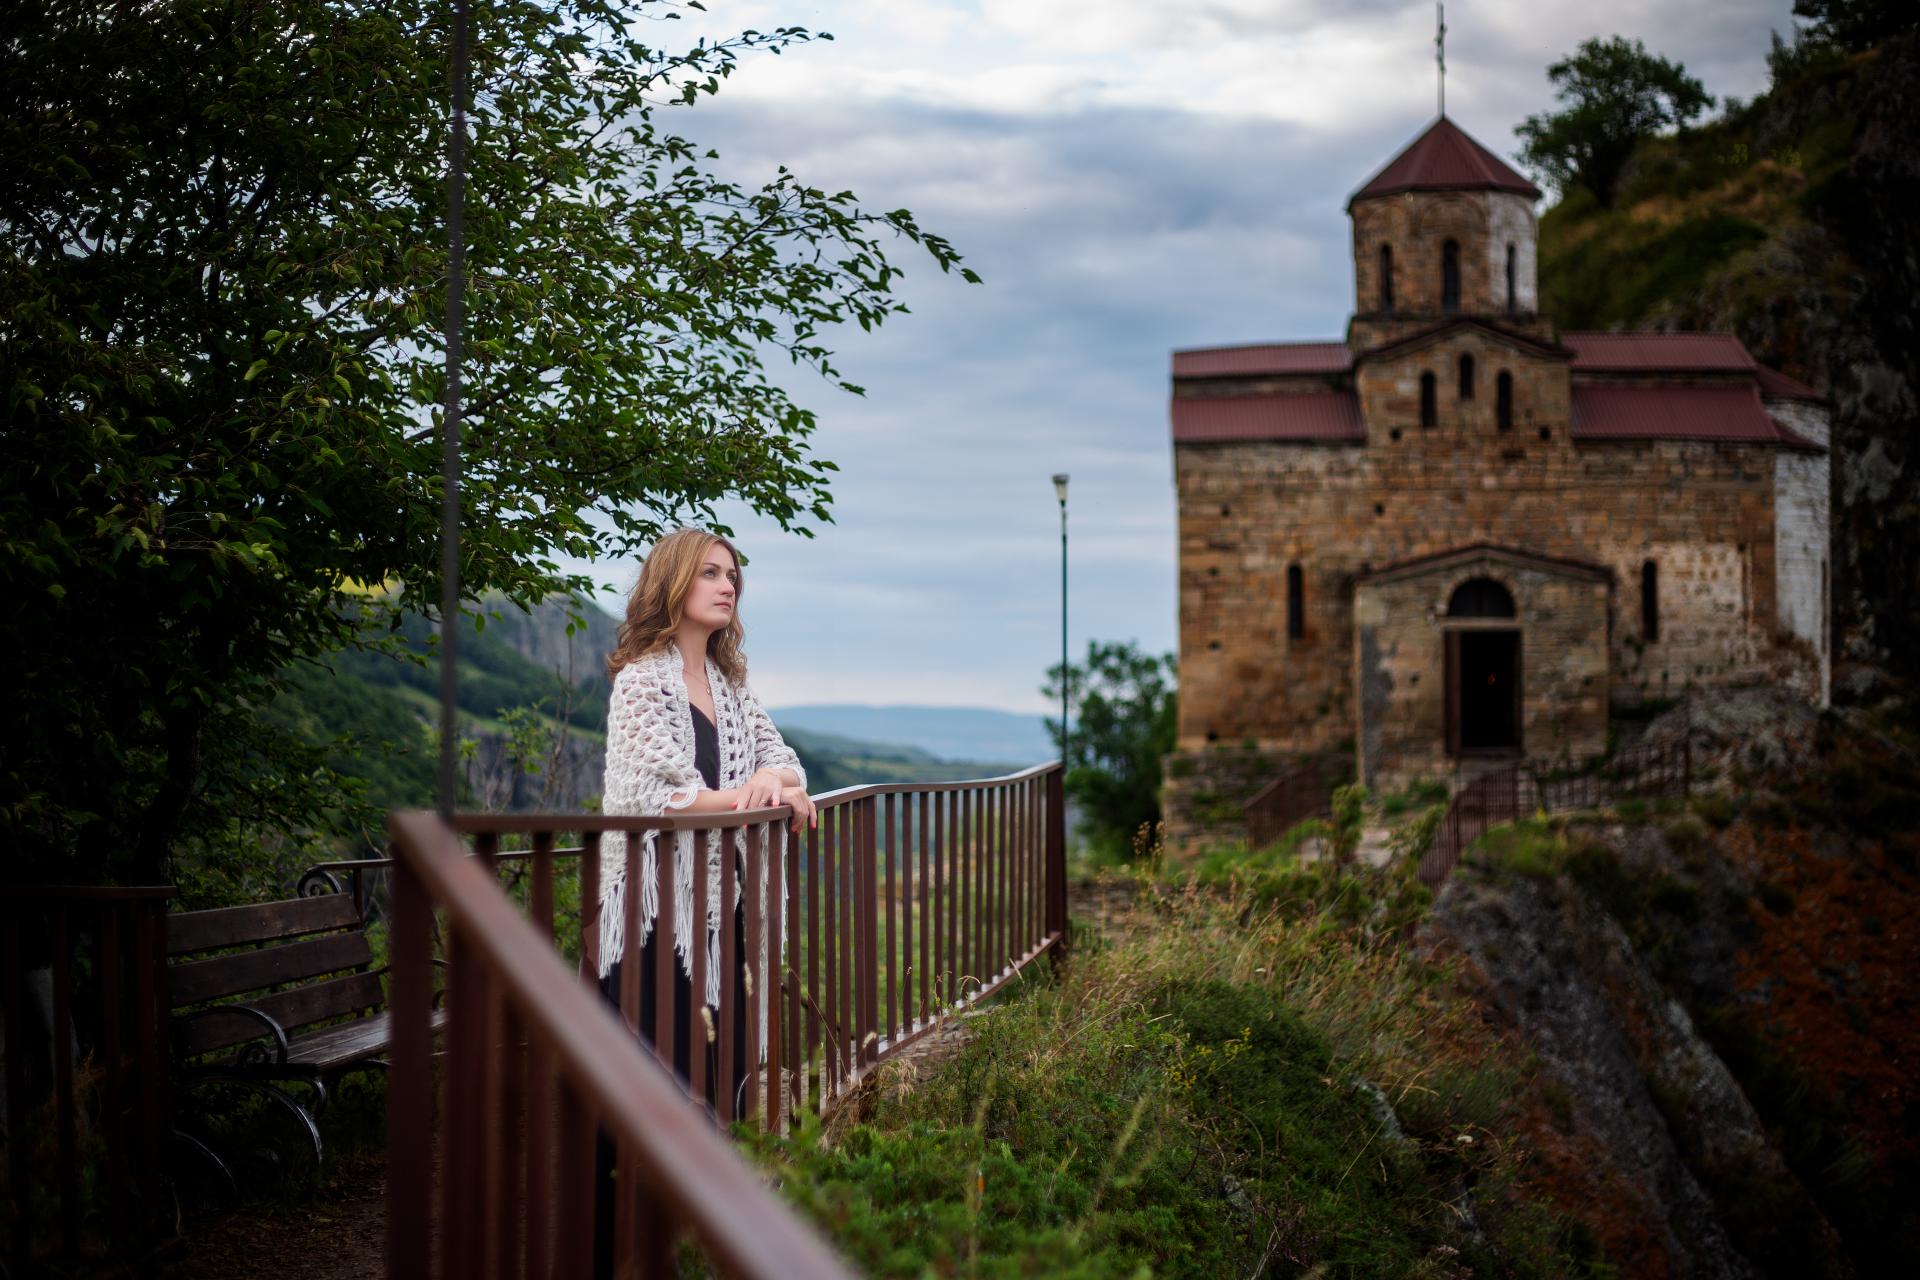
(907, 904)
(1296, 793)
(1493, 798)
(529, 823)
(687, 1170)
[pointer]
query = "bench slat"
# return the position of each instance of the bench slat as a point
(291, 1009)
(231, 975)
(190, 931)
(331, 1048)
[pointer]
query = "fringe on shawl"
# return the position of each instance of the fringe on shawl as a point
(613, 911)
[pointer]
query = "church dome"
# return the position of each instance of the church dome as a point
(1444, 158)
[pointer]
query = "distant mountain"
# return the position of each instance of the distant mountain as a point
(377, 708)
(541, 635)
(950, 733)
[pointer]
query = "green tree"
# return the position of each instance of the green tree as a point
(1123, 705)
(1858, 24)
(1614, 93)
(222, 259)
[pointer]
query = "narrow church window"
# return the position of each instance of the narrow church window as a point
(1513, 292)
(1429, 407)
(1503, 401)
(1649, 602)
(1466, 377)
(1296, 603)
(1450, 276)
(1386, 277)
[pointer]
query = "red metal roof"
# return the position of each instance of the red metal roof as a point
(1445, 159)
(1671, 413)
(1330, 415)
(1780, 386)
(1657, 352)
(1271, 357)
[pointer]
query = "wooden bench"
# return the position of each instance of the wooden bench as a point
(287, 991)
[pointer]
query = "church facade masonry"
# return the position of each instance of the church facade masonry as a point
(1460, 535)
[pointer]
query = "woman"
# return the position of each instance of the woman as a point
(685, 734)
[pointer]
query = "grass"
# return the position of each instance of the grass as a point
(1238, 1084)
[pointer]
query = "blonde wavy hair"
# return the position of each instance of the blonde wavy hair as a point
(659, 601)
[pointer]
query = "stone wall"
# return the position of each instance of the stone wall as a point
(1400, 625)
(1702, 510)
(1204, 795)
(1802, 493)
(1389, 391)
(1482, 223)
(1510, 221)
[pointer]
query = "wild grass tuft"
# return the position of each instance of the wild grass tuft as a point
(1202, 1097)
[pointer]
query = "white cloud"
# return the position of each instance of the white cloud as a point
(1130, 177)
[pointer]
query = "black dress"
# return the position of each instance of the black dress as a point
(706, 759)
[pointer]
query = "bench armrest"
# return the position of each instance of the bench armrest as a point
(271, 1027)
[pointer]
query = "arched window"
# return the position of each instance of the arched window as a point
(1296, 603)
(1649, 602)
(1386, 277)
(1466, 377)
(1513, 288)
(1450, 277)
(1429, 408)
(1503, 401)
(1480, 598)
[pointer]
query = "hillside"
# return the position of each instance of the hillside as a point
(1644, 1041)
(1790, 222)
(533, 692)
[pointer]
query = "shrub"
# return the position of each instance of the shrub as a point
(1686, 832)
(1531, 848)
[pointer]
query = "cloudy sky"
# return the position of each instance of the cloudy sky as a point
(1129, 176)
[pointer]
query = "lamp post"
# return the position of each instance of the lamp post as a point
(1060, 491)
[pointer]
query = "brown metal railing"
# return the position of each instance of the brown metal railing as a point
(1302, 790)
(86, 1059)
(534, 1071)
(906, 904)
(1508, 793)
(903, 906)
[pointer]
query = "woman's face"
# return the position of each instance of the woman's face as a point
(715, 590)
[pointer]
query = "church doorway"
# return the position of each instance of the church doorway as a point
(1483, 671)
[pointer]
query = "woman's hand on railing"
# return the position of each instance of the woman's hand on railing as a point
(804, 814)
(762, 791)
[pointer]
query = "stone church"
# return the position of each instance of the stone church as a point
(1461, 533)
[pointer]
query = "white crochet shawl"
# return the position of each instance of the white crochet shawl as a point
(650, 770)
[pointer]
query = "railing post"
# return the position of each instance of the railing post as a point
(410, 1081)
(1057, 858)
(869, 997)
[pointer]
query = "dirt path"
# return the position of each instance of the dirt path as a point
(340, 1234)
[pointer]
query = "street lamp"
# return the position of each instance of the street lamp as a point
(1060, 492)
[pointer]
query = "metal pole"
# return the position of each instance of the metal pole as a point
(450, 435)
(1060, 490)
